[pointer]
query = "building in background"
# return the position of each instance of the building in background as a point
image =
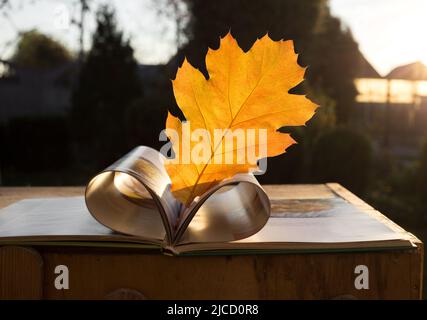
(26, 92)
(42, 93)
(393, 109)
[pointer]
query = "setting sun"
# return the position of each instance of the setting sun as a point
(390, 32)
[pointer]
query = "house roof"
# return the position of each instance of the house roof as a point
(365, 69)
(412, 71)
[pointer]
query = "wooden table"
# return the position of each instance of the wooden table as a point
(101, 273)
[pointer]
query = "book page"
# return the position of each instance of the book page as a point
(235, 209)
(133, 189)
(61, 219)
(321, 221)
(313, 224)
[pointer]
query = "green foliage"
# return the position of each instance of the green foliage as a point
(343, 156)
(395, 196)
(400, 192)
(108, 84)
(39, 51)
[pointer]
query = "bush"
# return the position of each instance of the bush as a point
(421, 180)
(144, 120)
(342, 156)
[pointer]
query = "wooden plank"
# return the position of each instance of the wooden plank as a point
(417, 271)
(112, 273)
(416, 257)
(9, 195)
(95, 273)
(298, 191)
(21, 273)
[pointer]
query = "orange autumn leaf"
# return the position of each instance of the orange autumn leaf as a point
(245, 90)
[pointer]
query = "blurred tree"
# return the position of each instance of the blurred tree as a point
(84, 8)
(334, 59)
(3, 3)
(176, 11)
(328, 48)
(144, 119)
(27, 148)
(108, 83)
(343, 156)
(36, 50)
(292, 166)
(247, 20)
(422, 177)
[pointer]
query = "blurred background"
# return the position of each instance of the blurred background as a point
(84, 81)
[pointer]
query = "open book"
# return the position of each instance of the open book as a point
(133, 197)
(130, 205)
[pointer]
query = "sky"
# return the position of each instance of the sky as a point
(152, 37)
(389, 32)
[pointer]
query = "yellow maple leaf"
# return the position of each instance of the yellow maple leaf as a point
(245, 90)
